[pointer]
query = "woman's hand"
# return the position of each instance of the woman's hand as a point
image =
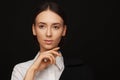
(50, 56)
(40, 64)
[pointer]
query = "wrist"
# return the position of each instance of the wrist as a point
(30, 74)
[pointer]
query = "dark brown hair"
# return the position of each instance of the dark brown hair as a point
(51, 5)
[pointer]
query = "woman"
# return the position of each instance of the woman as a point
(49, 26)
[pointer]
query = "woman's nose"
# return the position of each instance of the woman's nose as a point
(48, 32)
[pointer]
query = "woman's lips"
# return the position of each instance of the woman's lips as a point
(48, 41)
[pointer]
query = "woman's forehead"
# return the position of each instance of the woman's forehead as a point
(48, 16)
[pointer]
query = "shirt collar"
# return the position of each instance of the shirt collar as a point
(59, 61)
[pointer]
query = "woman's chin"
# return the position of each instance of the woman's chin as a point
(49, 47)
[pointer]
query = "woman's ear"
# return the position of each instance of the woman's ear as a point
(64, 31)
(33, 30)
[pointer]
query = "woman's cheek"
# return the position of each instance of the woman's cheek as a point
(58, 39)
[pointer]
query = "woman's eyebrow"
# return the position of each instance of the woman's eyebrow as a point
(41, 23)
(56, 24)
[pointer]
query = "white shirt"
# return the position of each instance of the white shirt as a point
(52, 72)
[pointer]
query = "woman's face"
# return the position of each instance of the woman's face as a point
(48, 29)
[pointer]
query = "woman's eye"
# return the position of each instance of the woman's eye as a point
(41, 26)
(56, 27)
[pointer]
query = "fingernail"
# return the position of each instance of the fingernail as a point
(60, 55)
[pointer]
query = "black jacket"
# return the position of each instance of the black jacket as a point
(76, 69)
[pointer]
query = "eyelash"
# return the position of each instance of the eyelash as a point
(41, 26)
(56, 27)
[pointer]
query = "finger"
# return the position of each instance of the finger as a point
(51, 58)
(48, 58)
(55, 49)
(55, 53)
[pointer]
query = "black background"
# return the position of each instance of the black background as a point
(92, 35)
